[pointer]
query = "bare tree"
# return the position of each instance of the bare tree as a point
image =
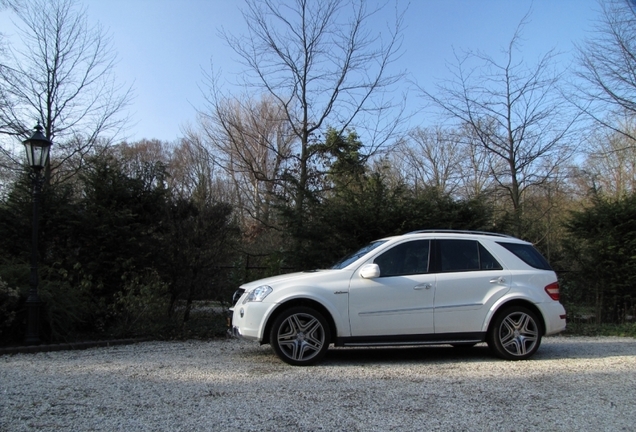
(476, 165)
(432, 157)
(194, 174)
(61, 76)
(135, 155)
(252, 143)
(321, 63)
(610, 166)
(450, 159)
(515, 112)
(608, 67)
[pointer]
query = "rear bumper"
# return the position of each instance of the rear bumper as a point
(554, 314)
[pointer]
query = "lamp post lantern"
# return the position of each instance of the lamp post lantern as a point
(37, 149)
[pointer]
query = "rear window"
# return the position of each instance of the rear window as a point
(528, 254)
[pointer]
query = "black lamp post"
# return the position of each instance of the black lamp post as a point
(37, 149)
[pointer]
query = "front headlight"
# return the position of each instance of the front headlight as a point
(258, 294)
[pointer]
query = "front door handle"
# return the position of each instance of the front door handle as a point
(423, 286)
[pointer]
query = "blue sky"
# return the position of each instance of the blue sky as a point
(164, 45)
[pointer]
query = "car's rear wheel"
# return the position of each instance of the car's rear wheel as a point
(515, 334)
(300, 336)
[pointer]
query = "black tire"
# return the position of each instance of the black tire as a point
(300, 336)
(515, 334)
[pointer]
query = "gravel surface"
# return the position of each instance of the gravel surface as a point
(571, 384)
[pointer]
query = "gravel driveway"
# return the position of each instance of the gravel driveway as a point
(571, 384)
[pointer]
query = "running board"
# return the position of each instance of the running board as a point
(412, 343)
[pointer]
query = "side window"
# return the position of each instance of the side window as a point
(487, 261)
(459, 255)
(405, 259)
(465, 255)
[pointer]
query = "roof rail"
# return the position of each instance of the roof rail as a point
(451, 231)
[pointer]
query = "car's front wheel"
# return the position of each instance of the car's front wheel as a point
(300, 336)
(515, 334)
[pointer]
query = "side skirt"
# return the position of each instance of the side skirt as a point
(422, 339)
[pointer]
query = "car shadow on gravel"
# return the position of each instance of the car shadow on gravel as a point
(559, 347)
(442, 353)
(551, 349)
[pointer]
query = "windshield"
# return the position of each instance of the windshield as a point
(357, 254)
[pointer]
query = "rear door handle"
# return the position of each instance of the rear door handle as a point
(498, 280)
(423, 286)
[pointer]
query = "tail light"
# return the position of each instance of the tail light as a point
(553, 291)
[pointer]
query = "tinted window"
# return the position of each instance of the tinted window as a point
(459, 255)
(405, 259)
(487, 261)
(528, 254)
(465, 255)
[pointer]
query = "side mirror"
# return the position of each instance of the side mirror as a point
(370, 271)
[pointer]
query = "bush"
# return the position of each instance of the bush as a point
(66, 312)
(601, 247)
(593, 329)
(141, 307)
(9, 299)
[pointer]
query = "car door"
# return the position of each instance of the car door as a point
(400, 300)
(469, 281)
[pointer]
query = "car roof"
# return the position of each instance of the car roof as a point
(455, 234)
(463, 232)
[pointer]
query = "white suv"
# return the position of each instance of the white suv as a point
(425, 287)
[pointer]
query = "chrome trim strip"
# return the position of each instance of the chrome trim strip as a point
(459, 306)
(394, 311)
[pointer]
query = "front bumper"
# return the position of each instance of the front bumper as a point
(234, 332)
(247, 321)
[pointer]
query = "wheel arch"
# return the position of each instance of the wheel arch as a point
(517, 302)
(300, 302)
